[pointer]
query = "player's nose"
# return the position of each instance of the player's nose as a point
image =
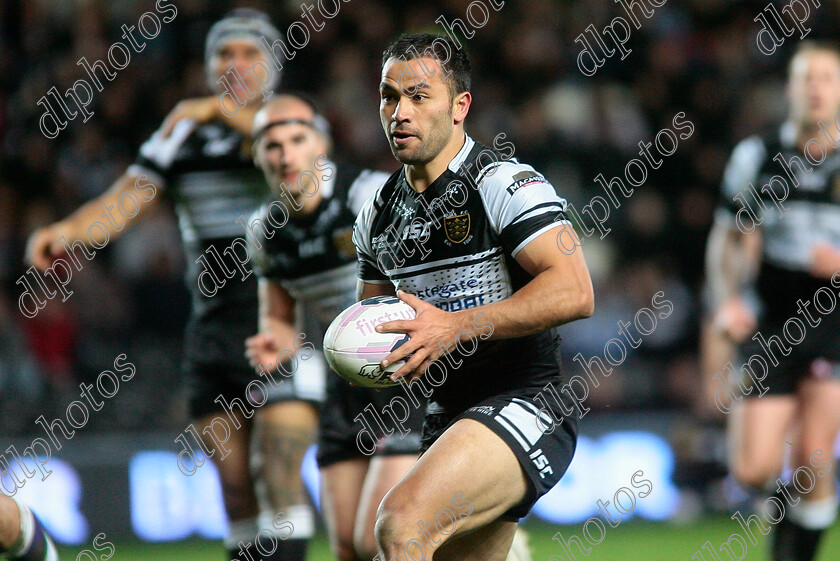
(402, 111)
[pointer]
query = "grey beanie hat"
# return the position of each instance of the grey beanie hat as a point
(247, 24)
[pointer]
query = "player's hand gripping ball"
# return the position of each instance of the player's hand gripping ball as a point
(353, 347)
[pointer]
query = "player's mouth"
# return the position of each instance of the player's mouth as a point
(401, 138)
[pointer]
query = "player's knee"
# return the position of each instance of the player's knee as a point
(754, 474)
(394, 524)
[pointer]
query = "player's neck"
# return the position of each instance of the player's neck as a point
(304, 206)
(827, 136)
(420, 176)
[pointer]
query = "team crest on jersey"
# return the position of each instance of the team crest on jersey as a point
(457, 227)
(343, 240)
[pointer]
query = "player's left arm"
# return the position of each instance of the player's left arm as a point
(559, 292)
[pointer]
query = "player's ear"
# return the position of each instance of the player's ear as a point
(461, 106)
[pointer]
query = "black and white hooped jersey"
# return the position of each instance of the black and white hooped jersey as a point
(313, 257)
(209, 174)
(454, 246)
(811, 214)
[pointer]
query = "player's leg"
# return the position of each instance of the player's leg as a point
(383, 473)
(282, 434)
(757, 433)
(21, 534)
(235, 476)
(341, 491)
(451, 491)
(519, 549)
(799, 534)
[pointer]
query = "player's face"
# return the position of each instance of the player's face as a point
(415, 109)
(814, 87)
(241, 55)
(285, 152)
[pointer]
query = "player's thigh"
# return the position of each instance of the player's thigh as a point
(469, 470)
(819, 418)
(489, 543)
(757, 432)
(383, 473)
(9, 521)
(341, 489)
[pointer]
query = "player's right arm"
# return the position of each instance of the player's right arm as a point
(276, 324)
(44, 245)
(733, 255)
(731, 264)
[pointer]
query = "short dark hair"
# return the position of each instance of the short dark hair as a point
(815, 45)
(454, 60)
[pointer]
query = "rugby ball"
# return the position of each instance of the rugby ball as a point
(354, 349)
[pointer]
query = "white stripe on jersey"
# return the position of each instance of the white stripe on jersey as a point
(530, 238)
(364, 188)
(503, 207)
(137, 170)
(450, 261)
(743, 165)
(162, 150)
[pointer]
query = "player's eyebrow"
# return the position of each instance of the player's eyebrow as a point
(406, 89)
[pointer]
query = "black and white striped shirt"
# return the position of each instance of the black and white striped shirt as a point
(454, 246)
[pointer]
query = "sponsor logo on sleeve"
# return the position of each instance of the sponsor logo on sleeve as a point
(524, 179)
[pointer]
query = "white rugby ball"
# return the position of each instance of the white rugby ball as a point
(354, 349)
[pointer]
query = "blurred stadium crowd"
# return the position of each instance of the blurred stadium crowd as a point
(696, 56)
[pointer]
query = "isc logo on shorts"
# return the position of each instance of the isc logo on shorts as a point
(519, 418)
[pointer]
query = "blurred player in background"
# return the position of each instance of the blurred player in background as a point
(799, 256)
(22, 537)
(207, 170)
(496, 235)
(308, 266)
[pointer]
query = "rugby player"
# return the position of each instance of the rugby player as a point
(207, 170)
(308, 266)
(22, 536)
(497, 229)
(799, 253)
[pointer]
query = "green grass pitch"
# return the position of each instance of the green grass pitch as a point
(632, 541)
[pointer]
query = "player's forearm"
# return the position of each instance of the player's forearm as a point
(549, 300)
(729, 263)
(110, 210)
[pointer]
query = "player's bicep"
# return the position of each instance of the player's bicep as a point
(369, 290)
(568, 269)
